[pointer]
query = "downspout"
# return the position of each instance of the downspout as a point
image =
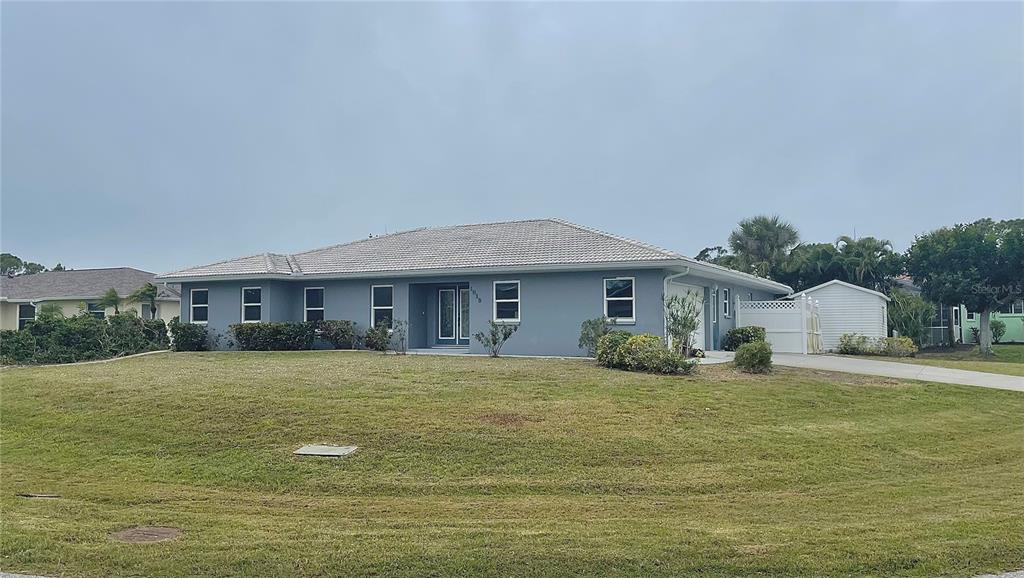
(664, 296)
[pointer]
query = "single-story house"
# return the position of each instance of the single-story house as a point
(847, 308)
(954, 323)
(79, 290)
(547, 276)
(1012, 314)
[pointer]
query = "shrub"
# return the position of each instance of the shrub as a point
(734, 338)
(126, 334)
(608, 347)
(340, 334)
(998, 328)
(910, 315)
(378, 337)
(976, 334)
(896, 346)
(17, 347)
(156, 333)
(754, 357)
(262, 336)
(682, 318)
(638, 351)
(67, 340)
(855, 344)
(669, 362)
(496, 337)
(591, 331)
(188, 336)
(398, 341)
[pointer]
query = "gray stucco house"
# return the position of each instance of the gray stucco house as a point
(545, 275)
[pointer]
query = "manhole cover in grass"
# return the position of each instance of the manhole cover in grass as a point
(144, 534)
(325, 451)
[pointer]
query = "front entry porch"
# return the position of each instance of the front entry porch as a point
(439, 316)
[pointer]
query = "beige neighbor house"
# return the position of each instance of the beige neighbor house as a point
(78, 290)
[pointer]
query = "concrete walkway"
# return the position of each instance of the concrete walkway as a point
(900, 370)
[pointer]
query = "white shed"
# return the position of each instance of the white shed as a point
(848, 308)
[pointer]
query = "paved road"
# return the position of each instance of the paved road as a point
(900, 370)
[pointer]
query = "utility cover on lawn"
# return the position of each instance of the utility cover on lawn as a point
(326, 451)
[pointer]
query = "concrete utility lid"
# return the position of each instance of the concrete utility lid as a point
(326, 451)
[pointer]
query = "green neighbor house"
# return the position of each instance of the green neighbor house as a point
(1012, 314)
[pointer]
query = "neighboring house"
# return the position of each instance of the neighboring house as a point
(1012, 314)
(78, 290)
(546, 276)
(954, 322)
(848, 308)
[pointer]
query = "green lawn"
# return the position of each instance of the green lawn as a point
(510, 467)
(1008, 359)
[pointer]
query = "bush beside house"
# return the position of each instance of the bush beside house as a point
(754, 357)
(736, 337)
(53, 338)
(643, 352)
(857, 344)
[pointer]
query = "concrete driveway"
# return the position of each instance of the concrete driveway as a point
(899, 370)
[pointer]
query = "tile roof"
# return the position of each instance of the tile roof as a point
(510, 244)
(507, 244)
(80, 284)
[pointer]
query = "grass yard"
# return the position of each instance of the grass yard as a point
(509, 467)
(1008, 359)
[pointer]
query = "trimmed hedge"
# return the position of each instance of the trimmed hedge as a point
(754, 357)
(273, 336)
(643, 352)
(189, 336)
(58, 339)
(734, 338)
(339, 333)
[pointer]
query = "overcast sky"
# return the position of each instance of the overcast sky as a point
(173, 134)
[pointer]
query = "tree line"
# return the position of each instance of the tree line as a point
(12, 266)
(979, 264)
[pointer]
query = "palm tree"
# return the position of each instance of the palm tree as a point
(147, 295)
(110, 299)
(865, 260)
(762, 243)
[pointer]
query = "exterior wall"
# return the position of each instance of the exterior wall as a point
(552, 305)
(1014, 326)
(166, 310)
(716, 328)
(846, 310)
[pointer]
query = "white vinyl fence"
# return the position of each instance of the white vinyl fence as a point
(791, 326)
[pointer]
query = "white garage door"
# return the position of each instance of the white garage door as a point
(698, 292)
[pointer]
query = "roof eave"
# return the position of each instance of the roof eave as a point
(446, 271)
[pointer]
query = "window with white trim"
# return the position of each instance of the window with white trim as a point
(382, 304)
(26, 313)
(313, 304)
(252, 304)
(1014, 308)
(970, 316)
(619, 299)
(725, 302)
(96, 310)
(199, 306)
(506, 301)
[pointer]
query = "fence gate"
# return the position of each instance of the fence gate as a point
(790, 326)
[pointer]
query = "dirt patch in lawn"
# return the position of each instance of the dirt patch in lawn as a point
(146, 534)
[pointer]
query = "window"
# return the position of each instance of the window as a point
(96, 310)
(26, 313)
(252, 304)
(1015, 308)
(200, 305)
(970, 316)
(714, 305)
(618, 299)
(725, 302)
(464, 313)
(382, 304)
(313, 303)
(506, 301)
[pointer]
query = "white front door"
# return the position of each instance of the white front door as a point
(698, 292)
